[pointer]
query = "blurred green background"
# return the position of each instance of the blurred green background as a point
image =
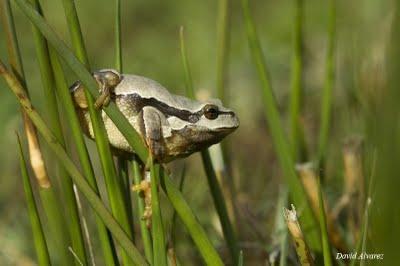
(151, 48)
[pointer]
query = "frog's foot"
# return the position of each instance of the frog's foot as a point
(143, 186)
(107, 80)
(145, 189)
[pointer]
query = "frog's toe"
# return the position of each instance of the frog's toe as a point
(156, 148)
(103, 99)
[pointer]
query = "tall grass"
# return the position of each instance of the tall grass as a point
(296, 93)
(184, 212)
(37, 229)
(376, 232)
(49, 84)
(213, 183)
(157, 227)
(282, 147)
(107, 245)
(50, 202)
(327, 97)
(74, 173)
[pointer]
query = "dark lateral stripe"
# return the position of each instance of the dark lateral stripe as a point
(185, 115)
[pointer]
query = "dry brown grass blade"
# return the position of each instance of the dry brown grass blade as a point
(354, 190)
(309, 179)
(35, 154)
(302, 250)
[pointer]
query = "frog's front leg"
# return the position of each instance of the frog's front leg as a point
(152, 122)
(107, 80)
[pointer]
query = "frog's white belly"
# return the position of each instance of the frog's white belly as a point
(115, 136)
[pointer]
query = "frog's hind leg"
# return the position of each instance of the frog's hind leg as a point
(78, 93)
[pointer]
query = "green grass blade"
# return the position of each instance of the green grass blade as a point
(115, 191)
(106, 242)
(13, 51)
(326, 247)
(240, 259)
(118, 37)
(220, 153)
(215, 189)
(56, 221)
(146, 237)
(222, 46)
(122, 162)
(296, 130)
(74, 225)
(37, 229)
(174, 215)
(280, 227)
(188, 218)
(50, 202)
(157, 227)
(220, 205)
(326, 108)
(185, 63)
(47, 77)
(75, 31)
(281, 145)
(74, 173)
(112, 111)
(361, 245)
(123, 177)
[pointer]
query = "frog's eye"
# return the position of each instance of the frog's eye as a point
(210, 111)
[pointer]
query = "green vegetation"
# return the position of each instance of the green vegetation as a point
(311, 81)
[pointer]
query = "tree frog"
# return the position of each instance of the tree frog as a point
(171, 126)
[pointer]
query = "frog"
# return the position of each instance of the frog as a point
(171, 126)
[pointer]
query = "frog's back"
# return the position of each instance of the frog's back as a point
(148, 88)
(143, 86)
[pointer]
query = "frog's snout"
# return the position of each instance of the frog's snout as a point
(235, 121)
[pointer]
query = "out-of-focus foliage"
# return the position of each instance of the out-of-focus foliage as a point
(150, 37)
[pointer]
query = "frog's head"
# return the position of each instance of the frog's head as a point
(206, 124)
(214, 118)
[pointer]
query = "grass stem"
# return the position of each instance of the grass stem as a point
(37, 228)
(86, 78)
(157, 227)
(115, 191)
(326, 108)
(188, 218)
(215, 188)
(281, 145)
(107, 245)
(296, 130)
(326, 248)
(146, 237)
(49, 85)
(50, 202)
(79, 180)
